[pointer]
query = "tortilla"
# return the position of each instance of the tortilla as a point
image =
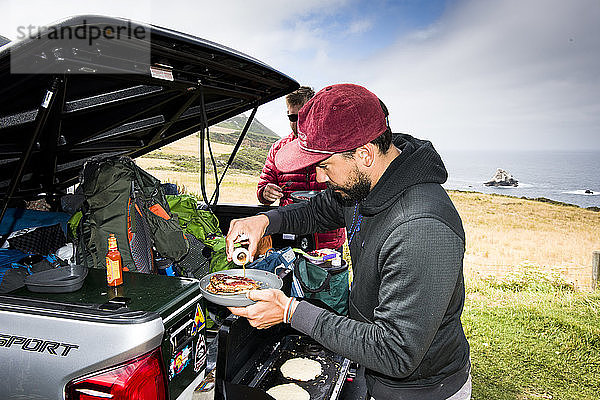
(301, 369)
(288, 391)
(231, 284)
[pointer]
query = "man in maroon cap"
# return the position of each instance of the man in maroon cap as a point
(406, 242)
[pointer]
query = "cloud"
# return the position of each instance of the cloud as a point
(487, 74)
(521, 74)
(510, 74)
(360, 26)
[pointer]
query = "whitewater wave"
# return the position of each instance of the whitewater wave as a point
(502, 187)
(520, 186)
(583, 193)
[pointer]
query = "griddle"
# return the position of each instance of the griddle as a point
(326, 386)
(248, 359)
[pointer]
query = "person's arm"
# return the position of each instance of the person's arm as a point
(270, 308)
(321, 213)
(419, 266)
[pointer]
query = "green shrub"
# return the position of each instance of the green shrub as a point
(532, 278)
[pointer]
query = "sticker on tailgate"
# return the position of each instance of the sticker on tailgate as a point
(200, 354)
(179, 362)
(198, 320)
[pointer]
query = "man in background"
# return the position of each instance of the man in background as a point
(275, 185)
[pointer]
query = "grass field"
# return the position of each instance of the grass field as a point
(532, 337)
(503, 232)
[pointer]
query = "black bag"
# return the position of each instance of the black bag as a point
(42, 240)
(196, 263)
(123, 199)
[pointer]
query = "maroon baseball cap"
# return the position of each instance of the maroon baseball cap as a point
(338, 118)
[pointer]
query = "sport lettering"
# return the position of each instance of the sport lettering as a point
(37, 345)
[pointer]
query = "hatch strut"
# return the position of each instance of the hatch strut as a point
(204, 132)
(42, 117)
(236, 148)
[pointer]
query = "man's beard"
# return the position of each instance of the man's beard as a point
(358, 190)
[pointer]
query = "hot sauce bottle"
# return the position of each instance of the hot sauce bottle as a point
(114, 270)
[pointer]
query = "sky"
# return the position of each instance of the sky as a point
(465, 74)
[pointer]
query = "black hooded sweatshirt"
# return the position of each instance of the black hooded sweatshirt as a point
(403, 323)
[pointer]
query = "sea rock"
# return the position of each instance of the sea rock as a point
(502, 178)
(588, 191)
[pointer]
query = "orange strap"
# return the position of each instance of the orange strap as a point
(158, 210)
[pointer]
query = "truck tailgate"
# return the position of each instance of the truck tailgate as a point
(49, 339)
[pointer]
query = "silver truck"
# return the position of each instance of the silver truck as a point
(75, 90)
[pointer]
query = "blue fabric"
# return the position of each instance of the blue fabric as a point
(18, 218)
(277, 259)
(9, 256)
(274, 260)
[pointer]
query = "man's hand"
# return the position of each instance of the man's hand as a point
(251, 228)
(272, 192)
(268, 309)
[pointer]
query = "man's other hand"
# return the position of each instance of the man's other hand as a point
(268, 309)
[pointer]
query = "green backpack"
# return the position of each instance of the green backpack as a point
(123, 199)
(204, 225)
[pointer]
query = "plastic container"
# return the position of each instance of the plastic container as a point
(321, 256)
(57, 280)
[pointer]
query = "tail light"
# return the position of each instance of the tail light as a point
(142, 378)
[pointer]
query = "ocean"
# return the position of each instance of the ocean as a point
(560, 176)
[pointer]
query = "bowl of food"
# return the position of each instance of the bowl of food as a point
(229, 287)
(303, 195)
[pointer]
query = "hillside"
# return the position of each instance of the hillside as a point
(258, 135)
(237, 123)
(182, 155)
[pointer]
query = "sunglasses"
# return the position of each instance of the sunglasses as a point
(293, 117)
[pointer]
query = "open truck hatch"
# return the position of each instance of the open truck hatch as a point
(51, 123)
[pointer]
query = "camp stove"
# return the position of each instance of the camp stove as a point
(249, 361)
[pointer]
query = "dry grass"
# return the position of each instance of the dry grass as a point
(188, 146)
(502, 232)
(236, 188)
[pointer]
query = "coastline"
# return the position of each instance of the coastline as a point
(562, 176)
(540, 199)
